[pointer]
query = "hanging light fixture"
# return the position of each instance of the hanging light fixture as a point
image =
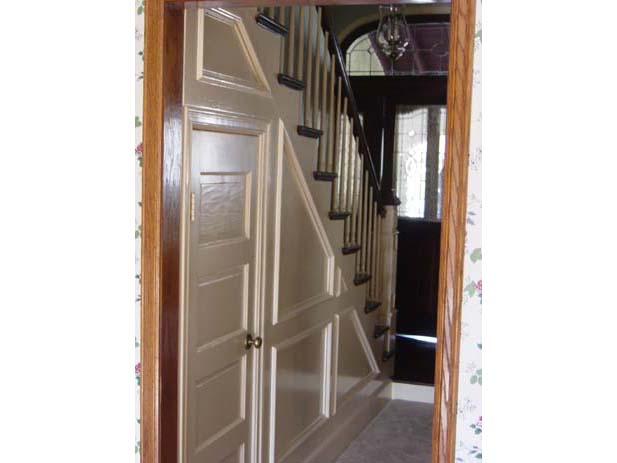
(392, 32)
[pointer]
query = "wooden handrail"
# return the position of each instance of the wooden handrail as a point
(352, 108)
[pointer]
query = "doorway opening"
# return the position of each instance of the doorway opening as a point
(305, 316)
(403, 104)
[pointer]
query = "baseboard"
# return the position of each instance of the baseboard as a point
(413, 392)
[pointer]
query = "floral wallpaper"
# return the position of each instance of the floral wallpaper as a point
(469, 421)
(139, 74)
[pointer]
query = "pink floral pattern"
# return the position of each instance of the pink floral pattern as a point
(139, 65)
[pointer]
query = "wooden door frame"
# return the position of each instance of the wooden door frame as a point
(162, 163)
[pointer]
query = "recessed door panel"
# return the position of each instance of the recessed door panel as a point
(223, 211)
(222, 305)
(213, 421)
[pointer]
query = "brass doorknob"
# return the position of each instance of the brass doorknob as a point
(250, 342)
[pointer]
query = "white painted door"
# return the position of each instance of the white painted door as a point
(228, 144)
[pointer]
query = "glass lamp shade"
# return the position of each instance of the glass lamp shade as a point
(392, 32)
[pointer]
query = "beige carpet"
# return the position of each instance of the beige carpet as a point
(401, 433)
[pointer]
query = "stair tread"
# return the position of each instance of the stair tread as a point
(351, 248)
(371, 306)
(289, 81)
(270, 24)
(338, 215)
(361, 278)
(324, 176)
(387, 355)
(309, 132)
(380, 330)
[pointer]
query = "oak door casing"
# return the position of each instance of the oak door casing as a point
(163, 119)
(453, 230)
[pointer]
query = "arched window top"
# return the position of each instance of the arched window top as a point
(428, 53)
(362, 59)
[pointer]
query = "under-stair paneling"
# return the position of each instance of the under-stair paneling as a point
(300, 376)
(306, 258)
(318, 370)
(245, 79)
(354, 363)
(238, 68)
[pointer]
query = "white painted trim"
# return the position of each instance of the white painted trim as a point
(386, 392)
(413, 392)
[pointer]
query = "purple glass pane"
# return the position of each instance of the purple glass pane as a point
(427, 53)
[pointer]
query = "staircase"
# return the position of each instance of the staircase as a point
(312, 64)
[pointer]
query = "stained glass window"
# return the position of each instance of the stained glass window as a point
(428, 53)
(362, 60)
(420, 135)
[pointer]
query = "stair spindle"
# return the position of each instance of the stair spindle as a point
(349, 170)
(340, 135)
(345, 165)
(371, 240)
(376, 293)
(291, 36)
(363, 222)
(331, 118)
(316, 66)
(371, 262)
(367, 237)
(350, 184)
(356, 199)
(359, 199)
(309, 70)
(373, 270)
(300, 53)
(322, 113)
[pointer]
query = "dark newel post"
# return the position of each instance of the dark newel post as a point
(387, 182)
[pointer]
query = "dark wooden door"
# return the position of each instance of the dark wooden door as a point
(416, 299)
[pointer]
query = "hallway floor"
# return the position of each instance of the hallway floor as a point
(401, 433)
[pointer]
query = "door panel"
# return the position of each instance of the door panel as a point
(227, 158)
